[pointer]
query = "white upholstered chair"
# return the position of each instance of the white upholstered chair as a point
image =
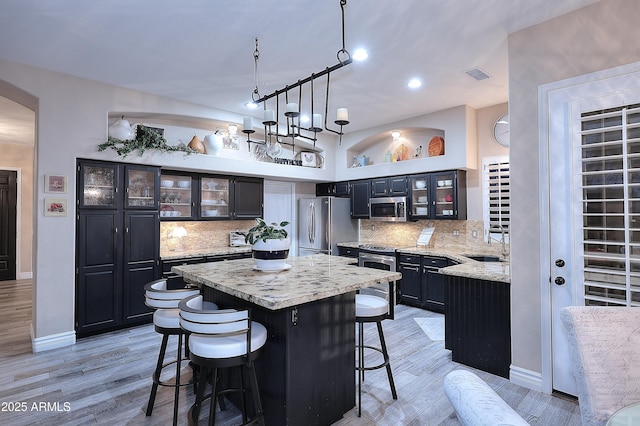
(605, 349)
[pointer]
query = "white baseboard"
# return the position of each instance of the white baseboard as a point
(52, 341)
(24, 276)
(526, 378)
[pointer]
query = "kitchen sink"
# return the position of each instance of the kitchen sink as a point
(484, 258)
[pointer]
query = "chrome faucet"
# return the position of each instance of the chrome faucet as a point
(502, 238)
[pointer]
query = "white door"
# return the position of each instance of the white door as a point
(593, 157)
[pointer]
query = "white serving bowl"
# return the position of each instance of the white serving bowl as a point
(166, 183)
(422, 199)
(420, 184)
(184, 184)
(422, 210)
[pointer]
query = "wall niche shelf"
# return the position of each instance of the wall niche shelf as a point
(380, 148)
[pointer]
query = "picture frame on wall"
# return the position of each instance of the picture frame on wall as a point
(55, 183)
(55, 206)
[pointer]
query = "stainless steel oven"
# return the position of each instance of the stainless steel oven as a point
(380, 258)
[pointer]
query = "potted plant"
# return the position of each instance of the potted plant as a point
(270, 245)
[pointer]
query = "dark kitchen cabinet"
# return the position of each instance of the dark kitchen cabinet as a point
(421, 284)
(438, 195)
(410, 286)
(192, 196)
(117, 244)
(360, 190)
(227, 197)
(432, 282)
(348, 252)
(394, 186)
(325, 189)
(178, 195)
(248, 197)
(342, 189)
(335, 189)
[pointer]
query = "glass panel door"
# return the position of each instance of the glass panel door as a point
(99, 186)
(214, 197)
(420, 195)
(141, 187)
(176, 196)
(445, 195)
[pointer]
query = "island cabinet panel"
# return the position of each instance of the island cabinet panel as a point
(306, 373)
(478, 323)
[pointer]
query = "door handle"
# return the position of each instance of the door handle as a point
(559, 281)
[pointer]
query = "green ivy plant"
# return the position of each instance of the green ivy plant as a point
(263, 231)
(146, 139)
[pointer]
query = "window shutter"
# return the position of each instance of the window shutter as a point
(610, 175)
(496, 199)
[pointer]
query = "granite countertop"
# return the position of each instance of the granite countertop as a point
(469, 268)
(310, 278)
(211, 251)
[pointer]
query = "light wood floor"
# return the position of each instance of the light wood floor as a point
(106, 379)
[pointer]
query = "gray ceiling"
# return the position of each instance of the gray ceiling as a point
(201, 51)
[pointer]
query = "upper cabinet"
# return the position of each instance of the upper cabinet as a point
(189, 196)
(439, 195)
(141, 190)
(394, 186)
(215, 197)
(178, 192)
(360, 192)
(102, 184)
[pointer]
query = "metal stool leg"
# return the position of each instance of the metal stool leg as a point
(176, 394)
(385, 354)
(156, 374)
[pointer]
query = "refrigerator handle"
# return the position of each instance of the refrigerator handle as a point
(311, 226)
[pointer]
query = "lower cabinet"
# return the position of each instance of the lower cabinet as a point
(117, 254)
(478, 323)
(421, 284)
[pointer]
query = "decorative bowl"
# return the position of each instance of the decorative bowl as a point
(166, 183)
(184, 184)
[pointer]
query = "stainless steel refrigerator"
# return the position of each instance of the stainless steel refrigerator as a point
(323, 222)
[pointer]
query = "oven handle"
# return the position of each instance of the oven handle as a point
(385, 260)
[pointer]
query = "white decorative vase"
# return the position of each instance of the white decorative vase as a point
(271, 254)
(213, 144)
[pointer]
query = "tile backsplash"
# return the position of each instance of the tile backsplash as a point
(448, 234)
(201, 234)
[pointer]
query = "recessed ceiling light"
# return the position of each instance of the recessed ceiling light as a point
(251, 105)
(360, 55)
(414, 83)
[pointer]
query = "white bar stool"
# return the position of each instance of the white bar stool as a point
(372, 309)
(222, 339)
(166, 321)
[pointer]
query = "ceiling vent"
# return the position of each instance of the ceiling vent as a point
(477, 74)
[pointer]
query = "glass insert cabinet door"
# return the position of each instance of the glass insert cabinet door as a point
(98, 186)
(420, 195)
(176, 199)
(214, 197)
(141, 187)
(444, 184)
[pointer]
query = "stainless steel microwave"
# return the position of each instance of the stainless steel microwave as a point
(388, 209)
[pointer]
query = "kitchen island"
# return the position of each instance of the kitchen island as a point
(307, 372)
